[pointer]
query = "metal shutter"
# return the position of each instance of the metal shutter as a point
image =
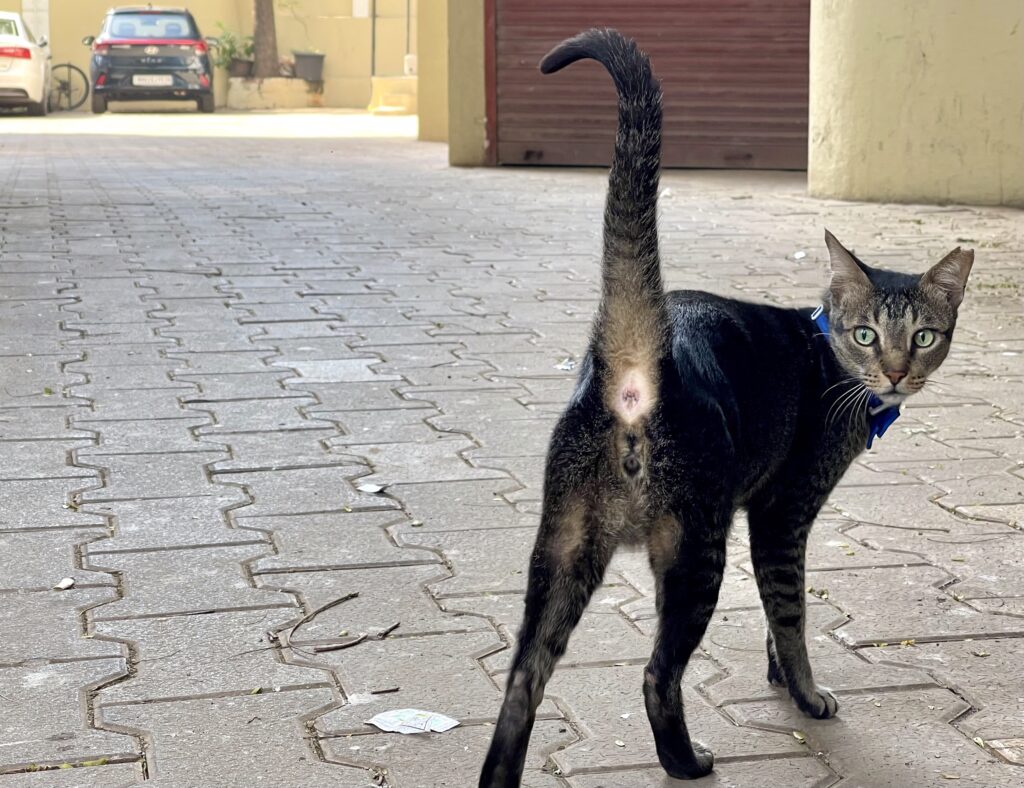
(734, 75)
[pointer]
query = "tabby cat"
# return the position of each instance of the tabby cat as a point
(689, 407)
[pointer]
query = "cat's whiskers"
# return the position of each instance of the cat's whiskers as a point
(859, 406)
(840, 404)
(840, 383)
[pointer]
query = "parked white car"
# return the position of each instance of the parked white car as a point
(24, 66)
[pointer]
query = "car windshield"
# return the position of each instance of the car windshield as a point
(143, 25)
(8, 27)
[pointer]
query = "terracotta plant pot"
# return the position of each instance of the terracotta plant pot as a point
(240, 68)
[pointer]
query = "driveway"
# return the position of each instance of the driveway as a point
(270, 385)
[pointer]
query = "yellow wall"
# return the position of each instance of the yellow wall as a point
(306, 25)
(467, 102)
(432, 90)
(917, 100)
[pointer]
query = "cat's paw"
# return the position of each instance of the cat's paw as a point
(775, 677)
(692, 765)
(821, 704)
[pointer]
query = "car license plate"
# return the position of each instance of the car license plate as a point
(152, 80)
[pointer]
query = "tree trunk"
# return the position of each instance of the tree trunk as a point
(264, 40)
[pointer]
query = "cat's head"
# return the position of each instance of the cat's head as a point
(892, 330)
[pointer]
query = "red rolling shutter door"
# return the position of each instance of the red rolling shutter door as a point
(734, 75)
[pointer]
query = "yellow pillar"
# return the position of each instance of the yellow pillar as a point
(432, 67)
(917, 100)
(467, 102)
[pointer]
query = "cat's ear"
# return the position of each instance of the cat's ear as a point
(848, 278)
(949, 276)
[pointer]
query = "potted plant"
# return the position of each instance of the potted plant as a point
(234, 53)
(309, 64)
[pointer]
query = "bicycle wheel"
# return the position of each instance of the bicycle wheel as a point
(68, 87)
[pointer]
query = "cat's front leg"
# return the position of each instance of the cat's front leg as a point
(777, 547)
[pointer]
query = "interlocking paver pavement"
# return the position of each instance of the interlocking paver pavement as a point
(208, 344)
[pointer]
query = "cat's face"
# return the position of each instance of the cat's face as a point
(891, 331)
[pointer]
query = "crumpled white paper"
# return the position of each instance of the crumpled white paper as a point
(412, 721)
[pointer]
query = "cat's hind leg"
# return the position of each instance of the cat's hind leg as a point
(568, 562)
(778, 543)
(689, 577)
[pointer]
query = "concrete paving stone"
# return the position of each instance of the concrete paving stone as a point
(257, 415)
(735, 640)
(170, 522)
(184, 582)
(461, 750)
(867, 747)
(986, 558)
(335, 539)
(359, 396)
(397, 358)
(281, 449)
(307, 491)
(109, 775)
(401, 425)
(312, 329)
(134, 404)
(43, 719)
(128, 378)
(226, 340)
(156, 475)
(797, 772)
(1010, 514)
(895, 604)
(28, 378)
(599, 697)
(460, 505)
(387, 595)
(434, 672)
(987, 489)
(417, 463)
(739, 589)
(910, 505)
(222, 363)
(40, 423)
(336, 371)
(199, 655)
(603, 635)
(262, 384)
(212, 741)
(38, 560)
(142, 436)
(47, 625)
(43, 503)
(975, 670)
(41, 459)
(485, 561)
(283, 313)
(123, 354)
(119, 334)
(454, 375)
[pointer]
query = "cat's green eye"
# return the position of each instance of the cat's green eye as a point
(924, 338)
(863, 335)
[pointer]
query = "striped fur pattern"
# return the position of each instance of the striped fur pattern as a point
(689, 407)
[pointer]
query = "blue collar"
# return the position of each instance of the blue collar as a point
(880, 415)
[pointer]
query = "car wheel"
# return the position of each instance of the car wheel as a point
(206, 103)
(38, 110)
(99, 104)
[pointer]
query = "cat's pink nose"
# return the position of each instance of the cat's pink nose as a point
(895, 377)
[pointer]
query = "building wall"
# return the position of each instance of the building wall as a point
(467, 97)
(917, 100)
(339, 28)
(432, 91)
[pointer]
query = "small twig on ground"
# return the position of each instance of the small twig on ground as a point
(286, 637)
(348, 644)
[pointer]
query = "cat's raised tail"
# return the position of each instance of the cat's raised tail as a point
(631, 327)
